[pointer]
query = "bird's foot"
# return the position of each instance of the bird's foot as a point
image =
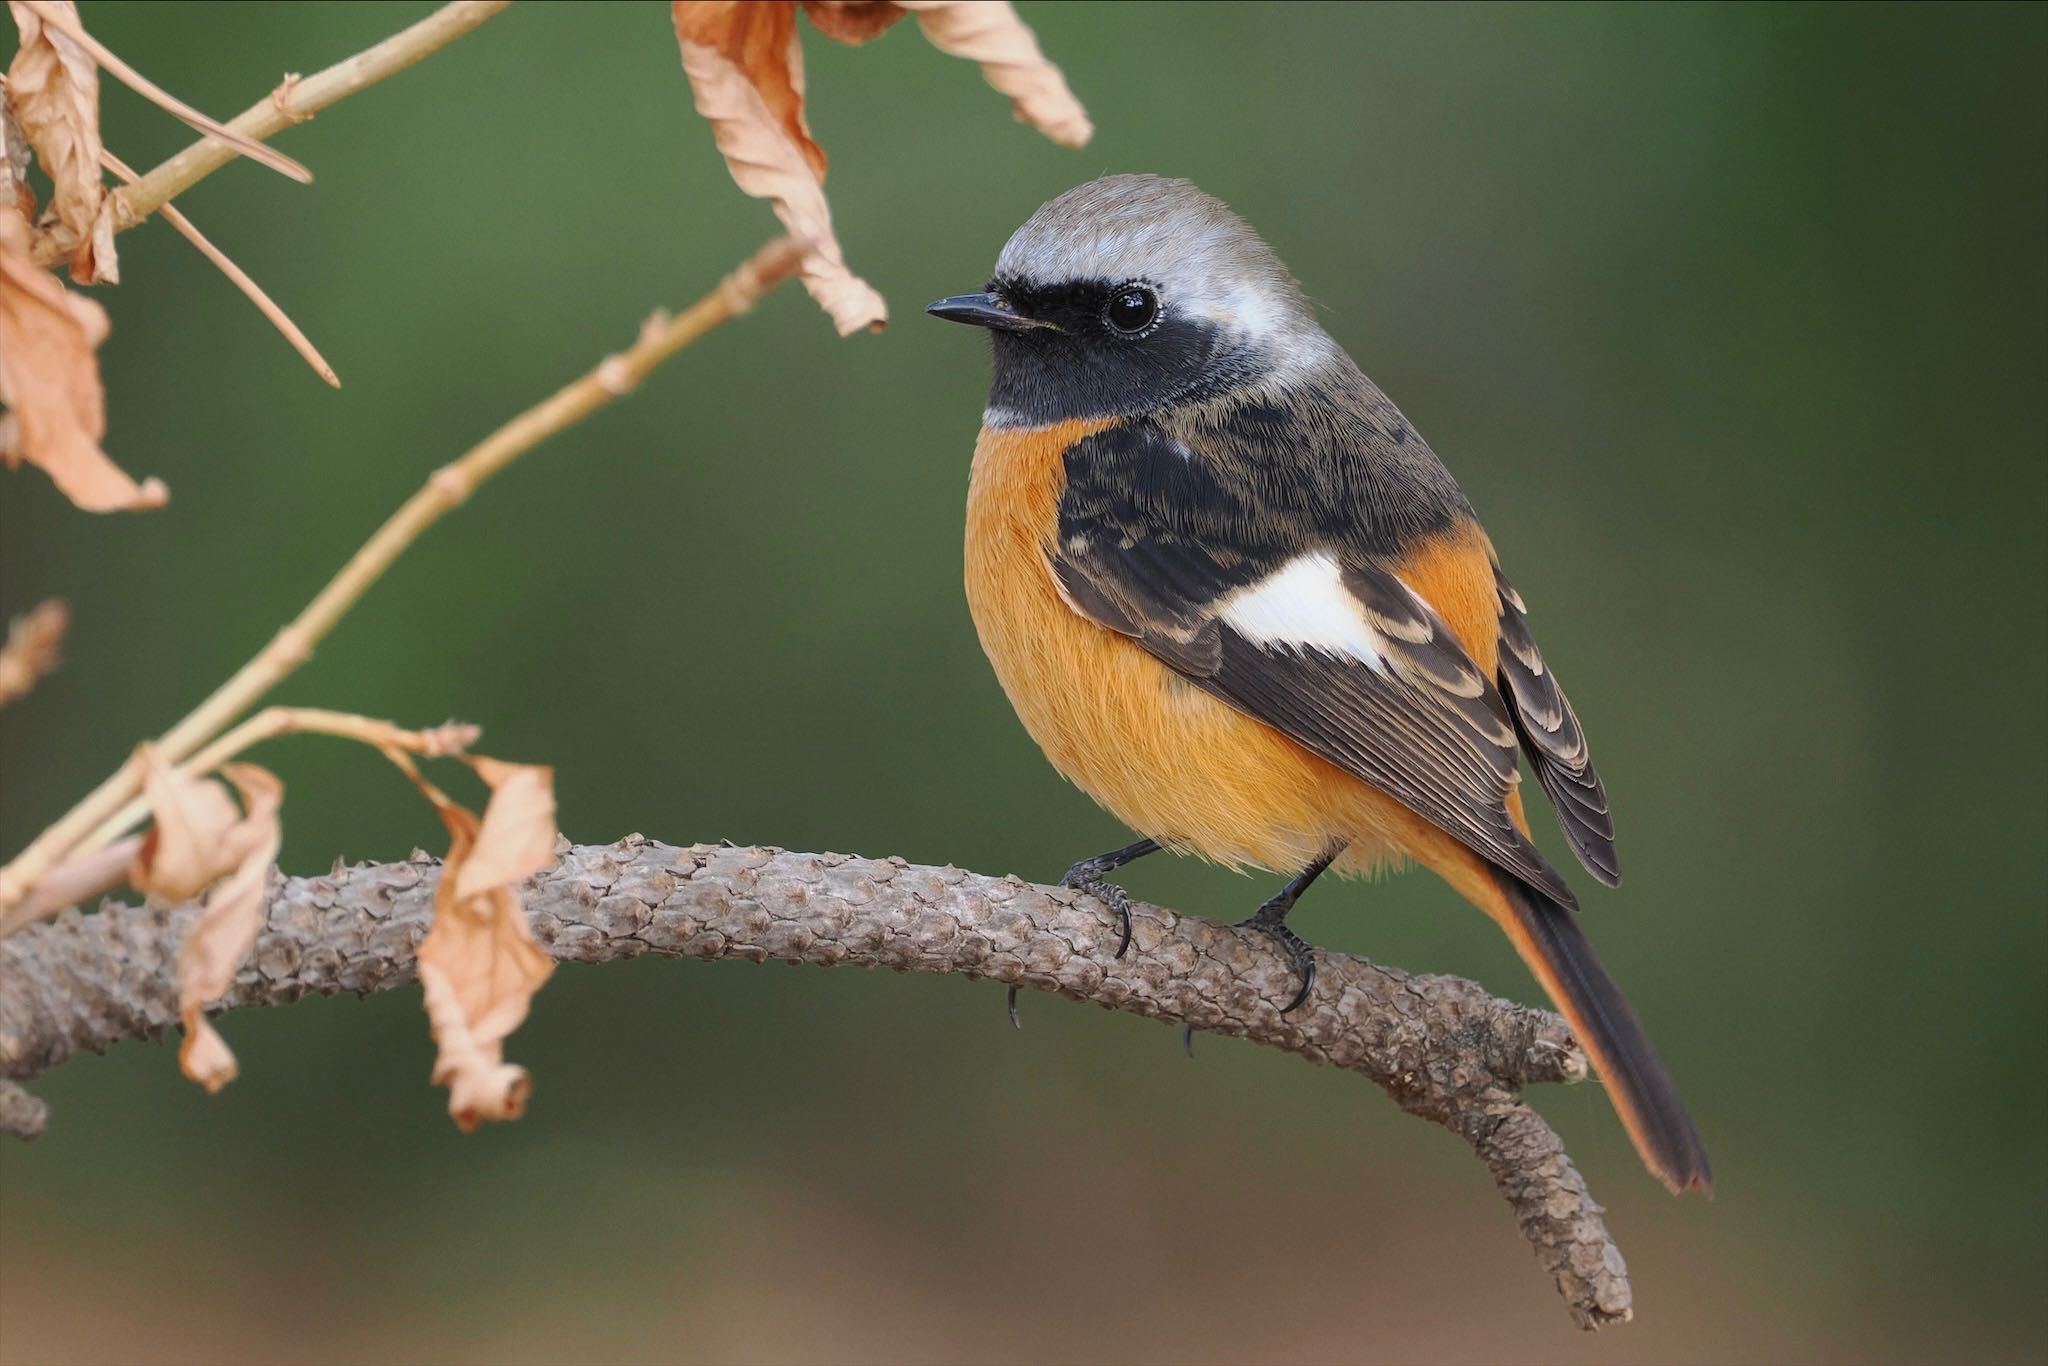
(1086, 876)
(1292, 944)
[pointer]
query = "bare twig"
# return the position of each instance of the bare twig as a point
(77, 879)
(294, 101)
(660, 338)
(1440, 1046)
(269, 724)
(300, 342)
(102, 861)
(65, 22)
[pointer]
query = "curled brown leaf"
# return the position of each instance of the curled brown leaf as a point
(50, 380)
(14, 160)
(197, 840)
(192, 819)
(745, 66)
(746, 73)
(994, 36)
(53, 92)
(479, 966)
(518, 835)
(852, 22)
(33, 641)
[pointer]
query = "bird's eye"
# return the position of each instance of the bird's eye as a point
(1132, 309)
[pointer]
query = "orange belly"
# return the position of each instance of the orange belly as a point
(1167, 759)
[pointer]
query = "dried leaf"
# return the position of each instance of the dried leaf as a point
(746, 72)
(33, 639)
(759, 39)
(204, 1056)
(50, 379)
(53, 91)
(479, 965)
(218, 941)
(518, 836)
(15, 190)
(994, 36)
(852, 22)
(189, 843)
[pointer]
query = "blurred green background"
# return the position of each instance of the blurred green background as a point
(1732, 321)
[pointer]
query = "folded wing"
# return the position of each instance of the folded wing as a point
(1550, 732)
(1321, 643)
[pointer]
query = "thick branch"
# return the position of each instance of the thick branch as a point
(1440, 1046)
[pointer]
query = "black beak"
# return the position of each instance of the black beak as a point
(981, 310)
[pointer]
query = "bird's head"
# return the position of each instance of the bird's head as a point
(1130, 294)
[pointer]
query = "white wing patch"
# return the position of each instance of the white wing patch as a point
(1304, 605)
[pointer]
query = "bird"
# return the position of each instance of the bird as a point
(1235, 598)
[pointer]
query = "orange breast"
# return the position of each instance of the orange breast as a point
(1167, 759)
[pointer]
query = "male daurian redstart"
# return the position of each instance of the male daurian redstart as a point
(1238, 601)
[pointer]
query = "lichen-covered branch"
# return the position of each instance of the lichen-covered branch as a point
(1443, 1048)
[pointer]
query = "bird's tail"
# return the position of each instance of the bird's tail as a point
(1550, 941)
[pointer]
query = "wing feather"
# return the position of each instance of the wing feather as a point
(1150, 547)
(1556, 744)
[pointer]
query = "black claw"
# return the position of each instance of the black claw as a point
(1187, 1040)
(1011, 1006)
(1086, 876)
(1294, 946)
(1271, 919)
(1110, 895)
(1307, 964)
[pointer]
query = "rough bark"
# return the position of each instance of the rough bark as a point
(1443, 1048)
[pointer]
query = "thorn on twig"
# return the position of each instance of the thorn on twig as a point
(281, 99)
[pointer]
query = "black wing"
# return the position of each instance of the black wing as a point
(1557, 747)
(1158, 542)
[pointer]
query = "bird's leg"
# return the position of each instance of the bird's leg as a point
(1086, 876)
(1271, 919)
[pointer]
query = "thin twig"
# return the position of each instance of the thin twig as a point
(294, 101)
(269, 724)
(660, 338)
(103, 859)
(76, 880)
(301, 343)
(67, 23)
